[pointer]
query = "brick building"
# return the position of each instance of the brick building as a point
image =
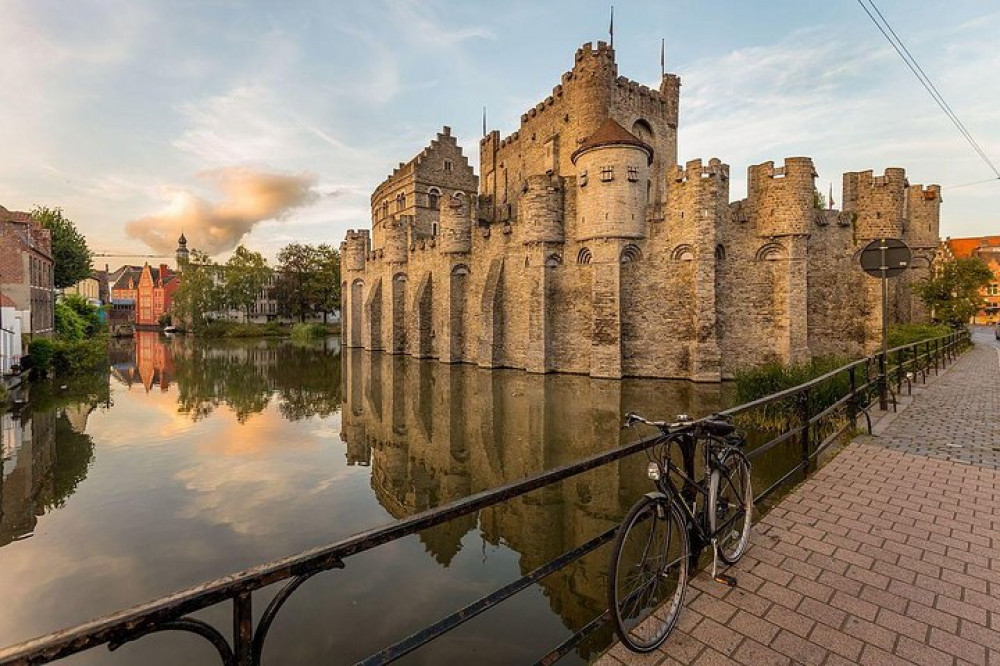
(26, 270)
(141, 295)
(986, 248)
(584, 247)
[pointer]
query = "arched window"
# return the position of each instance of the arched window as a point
(770, 252)
(385, 209)
(683, 252)
(642, 130)
(720, 252)
(553, 260)
(400, 202)
(433, 198)
(630, 254)
(584, 256)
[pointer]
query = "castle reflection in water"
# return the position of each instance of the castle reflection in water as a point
(435, 433)
(432, 433)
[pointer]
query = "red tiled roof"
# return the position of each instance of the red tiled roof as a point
(962, 248)
(612, 134)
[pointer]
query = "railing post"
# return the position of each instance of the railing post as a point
(883, 383)
(852, 404)
(243, 629)
(805, 431)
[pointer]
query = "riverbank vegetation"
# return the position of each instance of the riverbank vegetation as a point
(305, 284)
(80, 343)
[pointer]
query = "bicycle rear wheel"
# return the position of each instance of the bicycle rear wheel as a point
(730, 505)
(648, 574)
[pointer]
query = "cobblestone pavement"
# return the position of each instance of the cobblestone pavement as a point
(890, 554)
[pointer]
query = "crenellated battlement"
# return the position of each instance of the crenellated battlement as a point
(781, 200)
(638, 89)
(696, 170)
(877, 202)
(587, 52)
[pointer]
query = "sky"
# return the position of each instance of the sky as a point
(269, 123)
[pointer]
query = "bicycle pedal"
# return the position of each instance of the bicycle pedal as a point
(725, 579)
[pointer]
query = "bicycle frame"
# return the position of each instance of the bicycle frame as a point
(688, 443)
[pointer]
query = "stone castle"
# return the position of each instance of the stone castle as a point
(583, 247)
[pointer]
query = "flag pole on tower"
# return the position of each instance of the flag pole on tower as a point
(663, 58)
(611, 28)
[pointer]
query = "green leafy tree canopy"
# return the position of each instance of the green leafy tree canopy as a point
(200, 294)
(954, 293)
(246, 274)
(70, 253)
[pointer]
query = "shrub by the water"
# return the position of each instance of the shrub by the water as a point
(230, 329)
(308, 331)
(770, 378)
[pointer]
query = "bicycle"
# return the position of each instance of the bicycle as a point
(648, 575)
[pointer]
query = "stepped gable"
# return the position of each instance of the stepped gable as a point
(612, 134)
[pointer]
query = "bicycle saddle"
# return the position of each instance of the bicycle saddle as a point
(718, 427)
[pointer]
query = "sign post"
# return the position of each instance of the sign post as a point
(885, 258)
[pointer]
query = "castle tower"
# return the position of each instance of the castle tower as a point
(182, 253)
(781, 199)
(353, 251)
(877, 202)
(612, 179)
(593, 80)
(781, 203)
(396, 235)
(455, 232)
(540, 209)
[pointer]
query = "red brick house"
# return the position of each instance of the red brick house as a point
(26, 270)
(986, 248)
(154, 293)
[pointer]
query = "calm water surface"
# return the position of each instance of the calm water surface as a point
(190, 461)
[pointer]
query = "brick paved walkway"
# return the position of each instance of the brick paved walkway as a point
(888, 555)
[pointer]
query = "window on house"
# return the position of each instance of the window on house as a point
(633, 174)
(433, 199)
(607, 173)
(447, 165)
(994, 289)
(434, 228)
(583, 178)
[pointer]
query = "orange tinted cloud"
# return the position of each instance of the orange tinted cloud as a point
(248, 197)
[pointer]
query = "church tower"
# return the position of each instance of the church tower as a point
(182, 252)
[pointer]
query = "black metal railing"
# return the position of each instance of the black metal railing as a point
(816, 417)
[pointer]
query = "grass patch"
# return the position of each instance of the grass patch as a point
(763, 380)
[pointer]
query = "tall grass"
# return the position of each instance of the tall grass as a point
(904, 334)
(758, 382)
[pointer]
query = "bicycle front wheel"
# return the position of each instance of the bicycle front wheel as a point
(648, 575)
(730, 506)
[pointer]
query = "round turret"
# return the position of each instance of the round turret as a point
(612, 169)
(455, 233)
(540, 210)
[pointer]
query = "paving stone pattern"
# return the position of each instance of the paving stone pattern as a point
(890, 554)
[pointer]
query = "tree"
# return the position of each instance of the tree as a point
(954, 293)
(297, 287)
(70, 253)
(199, 294)
(328, 279)
(246, 274)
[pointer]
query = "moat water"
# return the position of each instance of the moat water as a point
(188, 461)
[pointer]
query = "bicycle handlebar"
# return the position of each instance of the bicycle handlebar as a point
(682, 420)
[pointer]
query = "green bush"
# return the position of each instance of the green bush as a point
(40, 353)
(78, 356)
(229, 329)
(904, 334)
(308, 331)
(69, 324)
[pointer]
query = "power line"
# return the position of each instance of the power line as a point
(925, 81)
(978, 182)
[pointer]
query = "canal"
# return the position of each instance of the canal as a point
(192, 460)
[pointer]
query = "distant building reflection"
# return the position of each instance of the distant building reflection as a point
(46, 453)
(435, 433)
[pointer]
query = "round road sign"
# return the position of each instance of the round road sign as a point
(886, 257)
